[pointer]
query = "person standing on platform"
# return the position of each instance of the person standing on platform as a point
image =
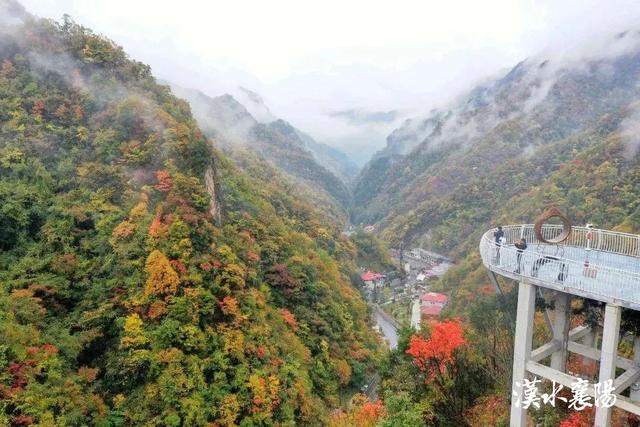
(499, 238)
(521, 246)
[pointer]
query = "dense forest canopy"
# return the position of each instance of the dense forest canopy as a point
(158, 270)
(144, 278)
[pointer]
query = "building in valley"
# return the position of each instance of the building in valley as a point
(432, 303)
(371, 279)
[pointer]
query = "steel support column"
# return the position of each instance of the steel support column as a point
(561, 324)
(608, 357)
(635, 387)
(522, 348)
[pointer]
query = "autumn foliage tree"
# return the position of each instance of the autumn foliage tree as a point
(362, 413)
(344, 371)
(434, 354)
(452, 376)
(164, 181)
(280, 277)
(162, 279)
(289, 318)
(133, 332)
(38, 109)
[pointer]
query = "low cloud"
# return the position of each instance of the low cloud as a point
(630, 131)
(360, 117)
(352, 86)
(11, 14)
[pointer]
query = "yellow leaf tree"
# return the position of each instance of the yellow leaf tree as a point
(344, 371)
(133, 334)
(162, 280)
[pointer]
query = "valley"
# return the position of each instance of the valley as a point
(175, 256)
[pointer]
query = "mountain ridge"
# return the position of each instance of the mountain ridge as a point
(536, 103)
(294, 152)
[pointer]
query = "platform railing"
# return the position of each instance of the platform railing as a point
(597, 239)
(550, 267)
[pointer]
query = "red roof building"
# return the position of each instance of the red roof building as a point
(434, 298)
(431, 310)
(431, 304)
(368, 276)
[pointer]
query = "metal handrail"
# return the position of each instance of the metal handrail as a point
(601, 240)
(560, 266)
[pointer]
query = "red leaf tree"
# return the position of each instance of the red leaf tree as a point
(434, 354)
(38, 109)
(164, 181)
(280, 277)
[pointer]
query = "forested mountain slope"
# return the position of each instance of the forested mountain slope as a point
(331, 158)
(144, 279)
(590, 176)
(503, 141)
(546, 134)
(313, 165)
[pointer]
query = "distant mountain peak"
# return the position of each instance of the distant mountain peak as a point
(228, 98)
(541, 105)
(253, 96)
(221, 116)
(255, 104)
(227, 120)
(284, 127)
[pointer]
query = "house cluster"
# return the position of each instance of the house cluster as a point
(427, 255)
(432, 303)
(424, 264)
(428, 306)
(430, 273)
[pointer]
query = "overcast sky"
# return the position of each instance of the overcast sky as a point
(313, 59)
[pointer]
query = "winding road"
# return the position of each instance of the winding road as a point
(388, 326)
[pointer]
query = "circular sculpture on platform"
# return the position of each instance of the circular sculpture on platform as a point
(547, 215)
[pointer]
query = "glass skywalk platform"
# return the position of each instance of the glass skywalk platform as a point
(596, 264)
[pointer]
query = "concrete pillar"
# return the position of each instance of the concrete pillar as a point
(561, 324)
(415, 314)
(609, 354)
(597, 335)
(590, 338)
(635, 387)
(590, 341)
(522, 348)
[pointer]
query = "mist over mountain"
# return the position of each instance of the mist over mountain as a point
(362, 117)
(413, 187)
(204, 250)
(295, 153)
(255, 105)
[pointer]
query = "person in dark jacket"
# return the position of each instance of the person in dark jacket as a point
(521, 246)
(499, 237)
